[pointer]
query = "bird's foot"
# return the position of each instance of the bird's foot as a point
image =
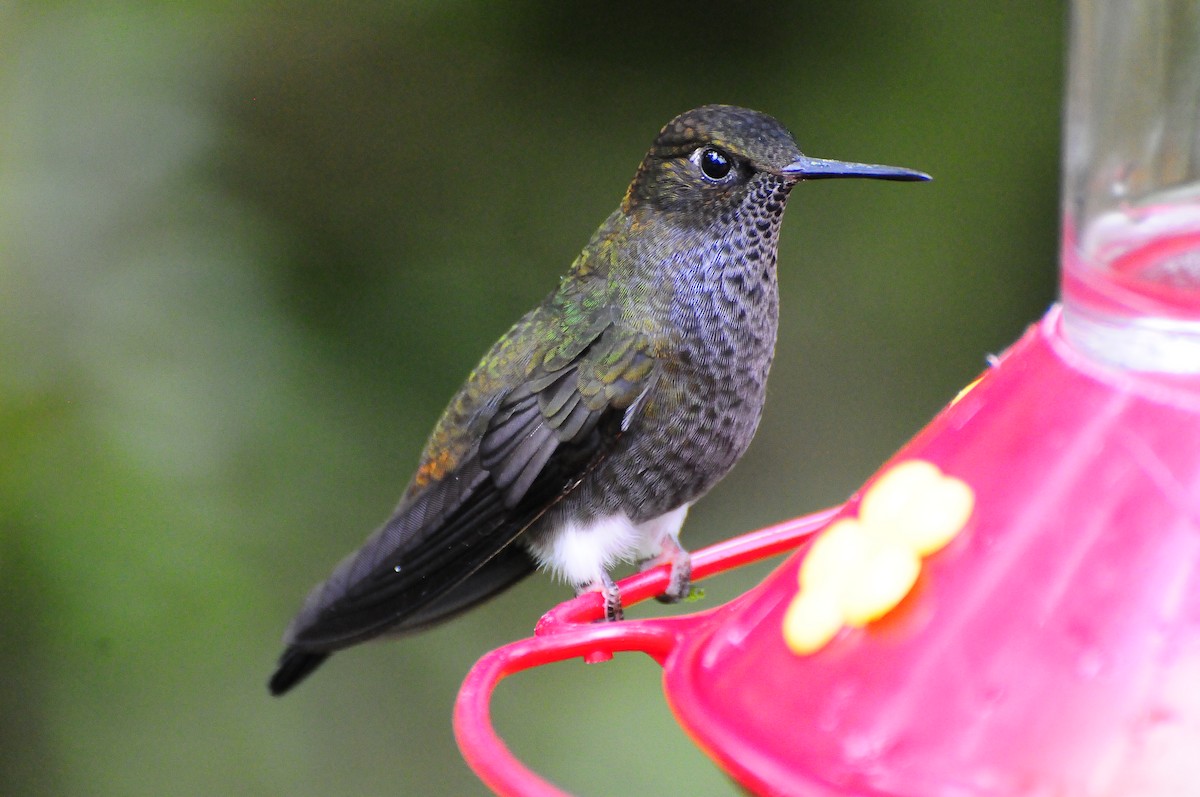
(680, 586)
(613, 610)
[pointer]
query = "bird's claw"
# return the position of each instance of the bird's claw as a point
(680, 585)
(613, 611)
(608, 589)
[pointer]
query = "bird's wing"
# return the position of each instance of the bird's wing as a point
(496, 462)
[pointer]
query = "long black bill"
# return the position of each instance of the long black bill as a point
(806, 168)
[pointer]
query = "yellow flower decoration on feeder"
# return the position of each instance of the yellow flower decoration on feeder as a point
(859, 569)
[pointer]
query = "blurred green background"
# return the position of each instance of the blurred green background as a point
(247, 252)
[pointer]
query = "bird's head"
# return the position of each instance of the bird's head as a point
(707, 161)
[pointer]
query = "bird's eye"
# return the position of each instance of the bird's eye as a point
(714, 163)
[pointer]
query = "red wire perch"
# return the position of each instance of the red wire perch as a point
(570, 630)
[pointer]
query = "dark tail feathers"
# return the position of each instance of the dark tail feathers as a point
(294, 666)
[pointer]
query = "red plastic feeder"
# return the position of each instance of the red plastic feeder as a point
(1012, 605)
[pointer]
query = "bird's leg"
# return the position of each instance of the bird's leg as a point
(674, 554)
(613, 610)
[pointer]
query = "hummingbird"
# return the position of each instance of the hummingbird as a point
(588, 429)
